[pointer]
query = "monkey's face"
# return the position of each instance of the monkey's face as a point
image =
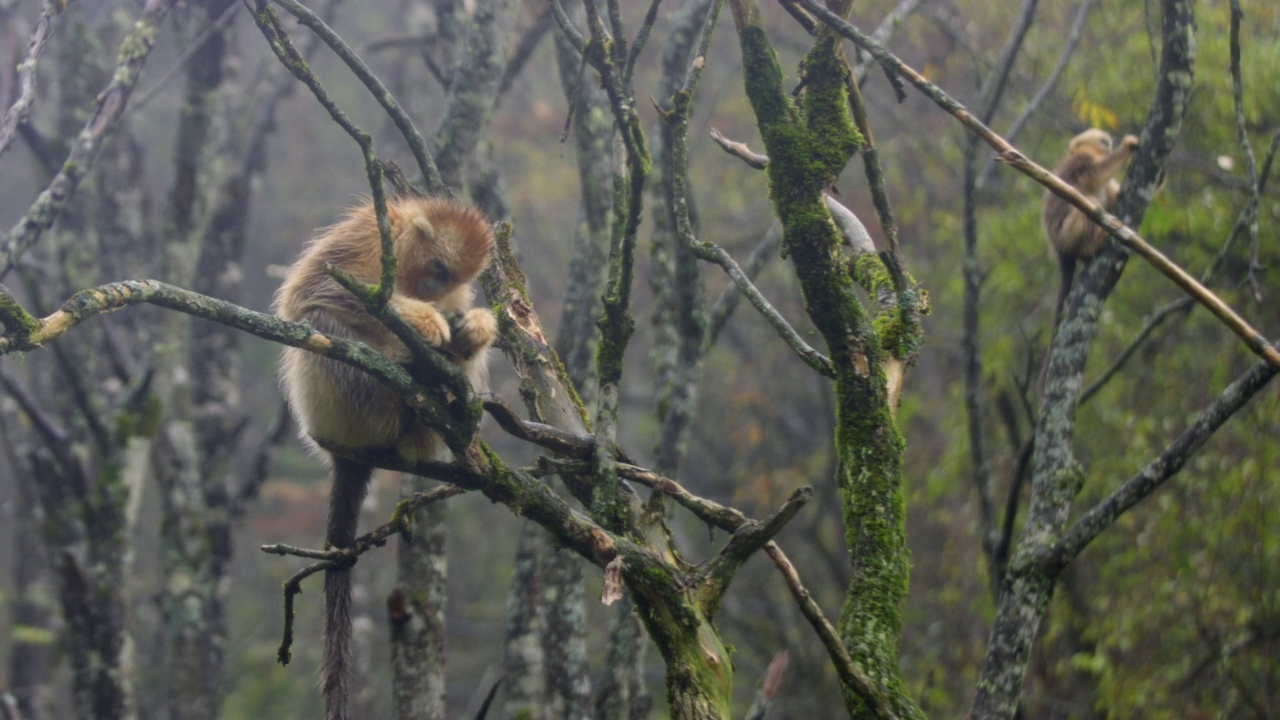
(437, 280)
(441, 246)
(1093, 142)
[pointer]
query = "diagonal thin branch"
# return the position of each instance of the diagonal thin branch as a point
(1104, 514)
(1247, 215)
(209, 31)
(714, 253)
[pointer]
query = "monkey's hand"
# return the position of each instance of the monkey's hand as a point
(425, 317)
(1129, 143)
(474, 332)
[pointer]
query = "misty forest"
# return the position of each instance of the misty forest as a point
(794, 411)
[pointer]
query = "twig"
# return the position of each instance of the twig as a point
(740, 150)
(811, 357)
(1149, 325)
(723, 307)
(269, 23)
(194, 47)
(417, 144)
(747, 538)
(851, 676)
(551, 438)
(400, 518)
(642, 36)
(566, 26)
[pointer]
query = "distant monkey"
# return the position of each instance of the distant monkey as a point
(440, 247)
(1090, 166)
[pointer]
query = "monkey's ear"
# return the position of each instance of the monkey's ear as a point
(423, 223)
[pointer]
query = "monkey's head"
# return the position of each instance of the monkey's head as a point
(439, 244)
(1094, 142)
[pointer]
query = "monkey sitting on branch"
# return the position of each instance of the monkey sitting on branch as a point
(440, 247)
(1090, 166)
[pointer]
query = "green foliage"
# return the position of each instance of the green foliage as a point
(1178, 579)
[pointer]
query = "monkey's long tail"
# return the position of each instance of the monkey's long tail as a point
(1067, 265)
(350, 482)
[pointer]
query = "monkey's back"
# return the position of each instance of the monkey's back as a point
(332, 401)
(1070, 231)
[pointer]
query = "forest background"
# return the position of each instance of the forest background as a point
(221, 165)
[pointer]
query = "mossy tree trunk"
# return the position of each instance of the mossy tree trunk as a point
(809, 142)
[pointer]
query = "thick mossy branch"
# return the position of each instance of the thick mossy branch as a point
(548, 393)
(15, 319)
(108, 298)
(808, 146)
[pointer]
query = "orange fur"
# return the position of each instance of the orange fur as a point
(440, 247)
(1090, 166)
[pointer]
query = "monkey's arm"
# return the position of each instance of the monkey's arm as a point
(474, 333)
(425, 317)
(1092, 175)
